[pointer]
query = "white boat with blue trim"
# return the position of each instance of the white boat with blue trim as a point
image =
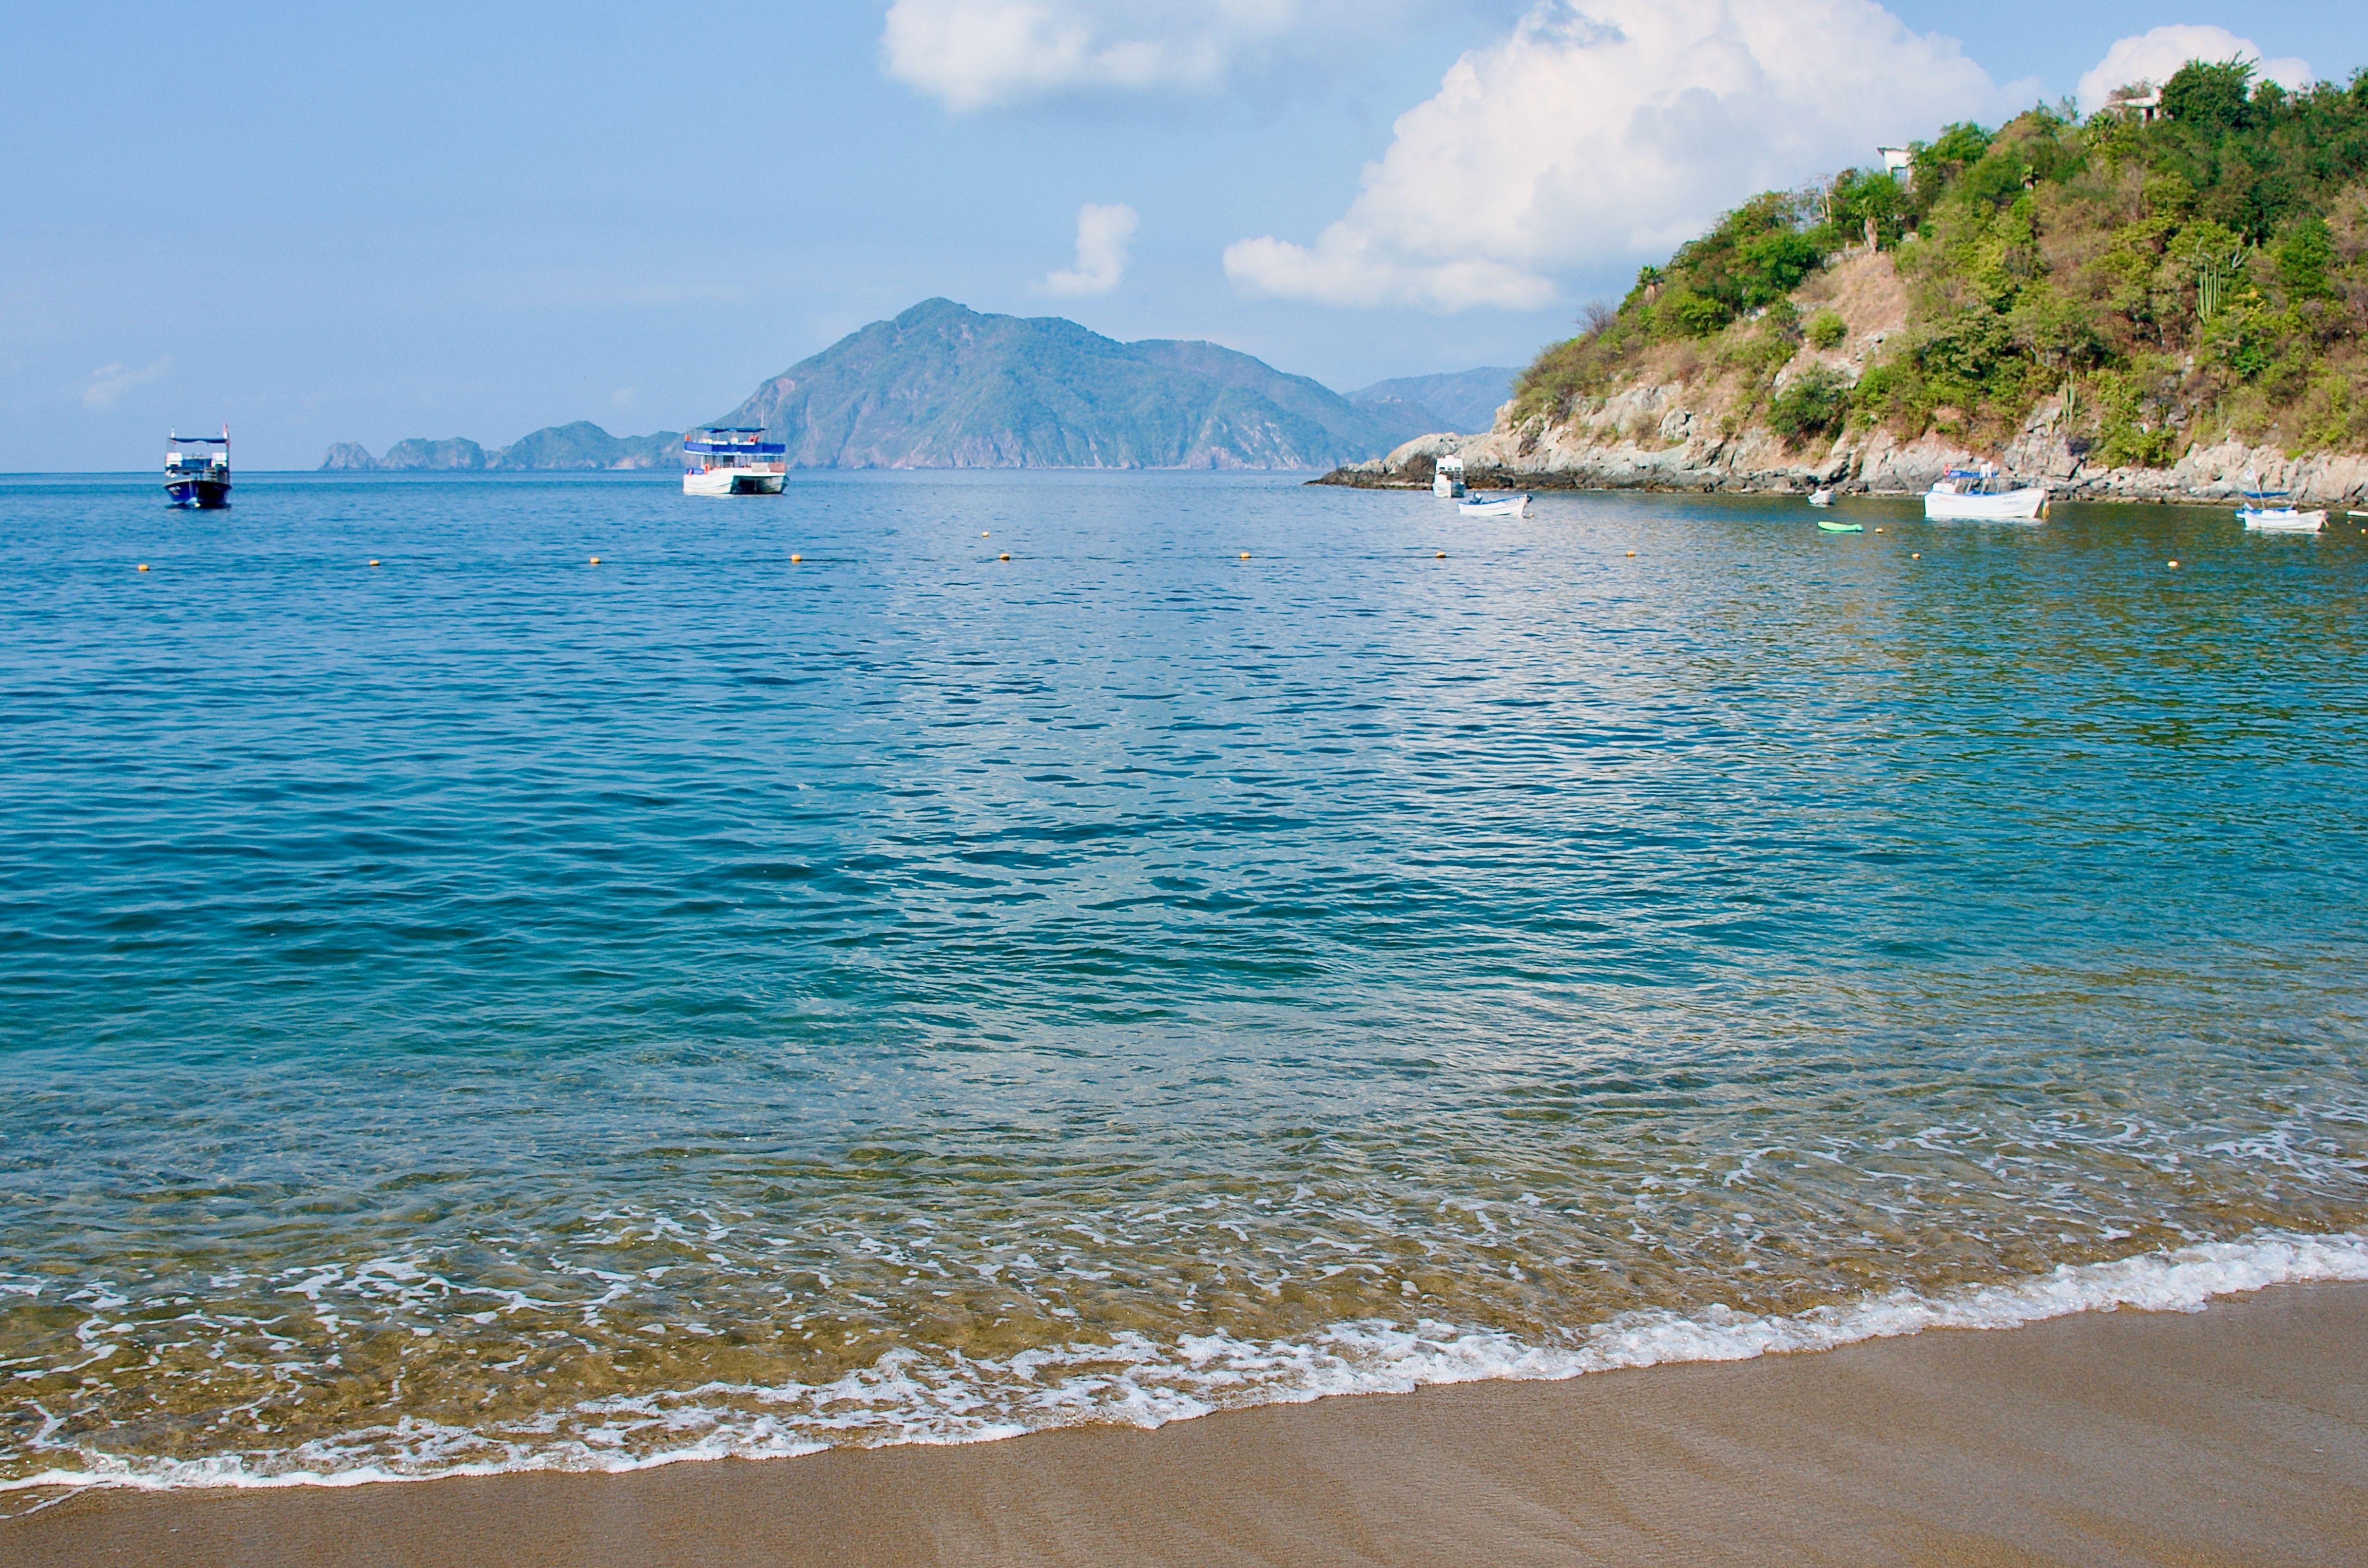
(732, 459)
(2273, 512)
(1983, 495)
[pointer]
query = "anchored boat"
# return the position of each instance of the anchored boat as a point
(1503, 506)
(2273, 512)
(732, 459)
(1983, 495)
(197, 470)
(1447, 479)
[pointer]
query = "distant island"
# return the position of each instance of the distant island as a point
(2147, 304)
(580, 446)
(944, 386)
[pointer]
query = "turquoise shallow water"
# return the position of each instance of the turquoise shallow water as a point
(492, 1009)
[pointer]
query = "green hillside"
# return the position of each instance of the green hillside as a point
(2199, 274)
(941, 386)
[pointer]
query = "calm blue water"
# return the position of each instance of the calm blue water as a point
(493, 1008)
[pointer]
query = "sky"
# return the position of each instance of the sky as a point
(329, 223)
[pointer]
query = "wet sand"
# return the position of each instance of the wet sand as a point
(2239, 1435)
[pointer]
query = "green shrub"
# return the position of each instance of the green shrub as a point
(1826, 330)
(2304, 257)
(2134, 427)
(1815, 403)
(1685, 313)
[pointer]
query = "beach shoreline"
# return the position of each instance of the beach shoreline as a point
(2239, 1433)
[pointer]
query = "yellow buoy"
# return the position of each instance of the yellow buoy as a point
(373, 562)
(1632, 555)
(2174, 565)
(982, 533)
(1006, 555)
(1246, 555)
(794, 558)
(143, 566)
(596, 561)
(1442, 555)
(1878, 531)
(1915, 555)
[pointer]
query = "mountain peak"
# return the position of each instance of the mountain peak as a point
(936, 308)
(944, 386)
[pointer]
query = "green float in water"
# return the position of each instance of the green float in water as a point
(1841, 527)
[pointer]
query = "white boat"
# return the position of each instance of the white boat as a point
(2273, 512)
(1983, 495)
(1504, 506)
(2281, 521)
(1822, 496)
(732, 459)
(1447, 479)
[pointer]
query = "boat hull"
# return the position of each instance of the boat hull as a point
(2282, 521)
(1517, 507)
(732, 482)
(203, 495)
(2014, 506)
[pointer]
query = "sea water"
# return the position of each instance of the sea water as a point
(809, 979)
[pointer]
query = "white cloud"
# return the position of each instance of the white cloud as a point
(972, 54)
(2155, 56)
(112, 381)
(1601, 130)
(1103, 235)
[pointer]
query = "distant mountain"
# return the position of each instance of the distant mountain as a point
(942, 386)
(585, 444)
(1463, 403)
(580, 446)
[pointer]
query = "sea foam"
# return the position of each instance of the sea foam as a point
(1132, 1380)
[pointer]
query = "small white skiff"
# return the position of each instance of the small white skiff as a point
(1822, 495)
(1983, 495)
(2272, 511)
(1504, 507)
(2281, 521)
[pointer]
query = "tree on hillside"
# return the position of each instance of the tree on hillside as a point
(2200, 274)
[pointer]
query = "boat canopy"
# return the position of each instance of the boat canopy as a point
(733, 438)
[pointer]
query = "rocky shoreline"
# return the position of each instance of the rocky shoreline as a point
(1680, 455)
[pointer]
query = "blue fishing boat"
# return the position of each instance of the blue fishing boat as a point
(197, 470)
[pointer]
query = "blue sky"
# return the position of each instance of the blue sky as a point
(332, 224)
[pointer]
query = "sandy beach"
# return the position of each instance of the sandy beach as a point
(2237, 1434)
